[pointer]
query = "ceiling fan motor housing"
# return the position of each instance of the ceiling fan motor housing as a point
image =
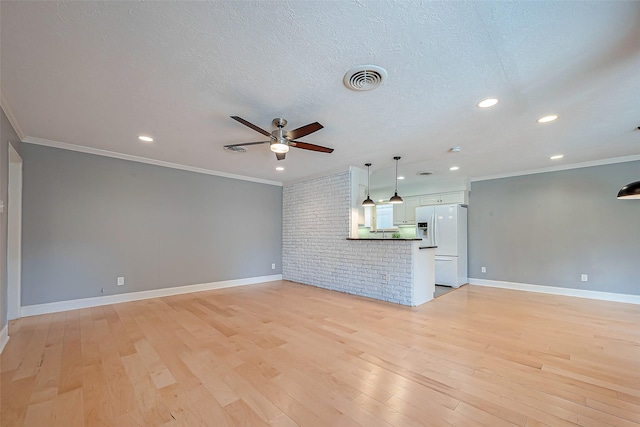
(279, 123)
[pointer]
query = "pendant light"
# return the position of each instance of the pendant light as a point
(368, 201)
(396, 199)
(630, 191)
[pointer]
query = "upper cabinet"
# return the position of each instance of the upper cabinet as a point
(451, 198)
(405, 213)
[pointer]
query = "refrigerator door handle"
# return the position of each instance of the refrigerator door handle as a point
(435, 227)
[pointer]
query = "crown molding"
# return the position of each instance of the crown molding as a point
(115, 155)
(6, 107)
(613, 160)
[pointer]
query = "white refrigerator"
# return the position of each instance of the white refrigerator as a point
(445, 226)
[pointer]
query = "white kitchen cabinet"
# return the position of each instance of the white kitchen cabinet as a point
(405, 213)
(451, 198)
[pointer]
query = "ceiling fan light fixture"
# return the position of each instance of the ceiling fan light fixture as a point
(630, 191)
(279, 147)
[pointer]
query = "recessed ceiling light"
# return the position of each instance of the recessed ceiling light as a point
(401, 177)
(145, 138)
(547, 119)
(454, 168)
(486, 103)
(381, 200)
(557, 156)
(279, 168)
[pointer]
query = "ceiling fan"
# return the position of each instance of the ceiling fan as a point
(280, 140)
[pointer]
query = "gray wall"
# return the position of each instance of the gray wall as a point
(549, 228)
(7, 136)
(88, 219)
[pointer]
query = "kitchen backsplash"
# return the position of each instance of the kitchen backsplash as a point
(406, 232)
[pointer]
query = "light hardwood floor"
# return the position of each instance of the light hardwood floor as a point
(285, 354)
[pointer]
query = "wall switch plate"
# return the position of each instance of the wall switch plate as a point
(121, 281)
(484, 269)
(584, 277)
(273, 266)
(1, 206)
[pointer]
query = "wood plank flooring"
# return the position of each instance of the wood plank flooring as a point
(285, 354)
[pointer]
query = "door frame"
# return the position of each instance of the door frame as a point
(14, 234)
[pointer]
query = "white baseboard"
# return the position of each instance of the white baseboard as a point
(4, 337)
(581, 293)
(54, 307)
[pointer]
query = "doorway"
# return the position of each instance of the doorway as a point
(14, 234)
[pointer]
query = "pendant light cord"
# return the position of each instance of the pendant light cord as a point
(368, 179)
(397, 176)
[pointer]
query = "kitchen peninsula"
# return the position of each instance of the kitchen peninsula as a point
(409, 275)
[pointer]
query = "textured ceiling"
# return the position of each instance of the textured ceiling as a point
(97, 74)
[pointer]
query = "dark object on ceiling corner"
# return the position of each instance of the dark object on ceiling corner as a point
(630, 191)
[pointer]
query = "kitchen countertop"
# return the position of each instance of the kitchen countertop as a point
(375, 238)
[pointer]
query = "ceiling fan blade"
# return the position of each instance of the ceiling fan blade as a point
(312, 147)
(304, 130)
(280, 156)
(247, 143)
(251, 125)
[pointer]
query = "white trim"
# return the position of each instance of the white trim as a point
(6, 107)
(632, 158)
(580, 293)
(4, 337)
(54, 307)
(14, 234)
(115, 155)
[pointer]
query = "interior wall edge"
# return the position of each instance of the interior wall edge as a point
(4, 337)
(6, 107)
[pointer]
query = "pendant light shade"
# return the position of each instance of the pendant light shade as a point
(630, 191)
(368, 201)
(396, 199)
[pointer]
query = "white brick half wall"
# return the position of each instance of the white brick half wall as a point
(315, 226)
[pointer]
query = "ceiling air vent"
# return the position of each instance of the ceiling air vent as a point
(365, 77)
(236, 149)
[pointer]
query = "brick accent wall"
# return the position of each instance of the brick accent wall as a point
(315, 226)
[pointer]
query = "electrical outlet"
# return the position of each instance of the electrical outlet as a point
(121, 281)
(584, 277)
(273, 266)
(385, 277)
(484, 269)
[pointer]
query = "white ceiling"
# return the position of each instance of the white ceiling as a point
(98, 74)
